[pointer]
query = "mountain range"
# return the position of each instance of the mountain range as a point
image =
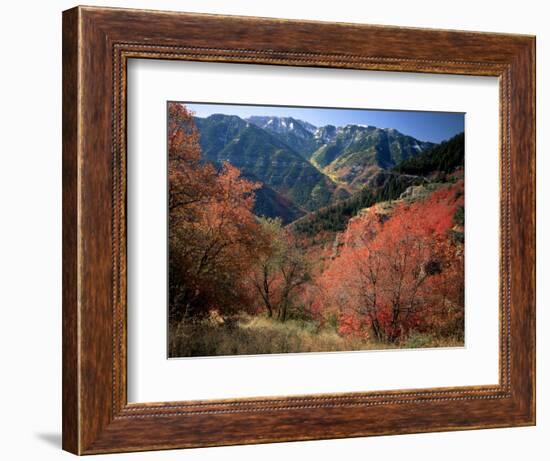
(302, 167)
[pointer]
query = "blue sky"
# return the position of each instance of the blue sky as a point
(424, 126)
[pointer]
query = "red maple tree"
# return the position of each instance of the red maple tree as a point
(399, 272)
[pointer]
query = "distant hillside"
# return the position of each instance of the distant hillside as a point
(382, 186)
(328, 170)
(297, 134)
(258, 153)
(357, 152)
(445, 157)
(271, 204)
(350, 154)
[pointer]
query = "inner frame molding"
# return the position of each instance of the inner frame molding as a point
(97, 417)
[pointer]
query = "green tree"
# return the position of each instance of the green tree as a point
(280, 270)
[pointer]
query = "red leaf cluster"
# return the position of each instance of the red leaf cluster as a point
(400, 268)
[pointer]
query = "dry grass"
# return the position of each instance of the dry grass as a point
(262, 335)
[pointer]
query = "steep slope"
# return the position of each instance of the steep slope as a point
(271, 204)
(308, 169)
(325, 134)
(356, 153)
(382, 186)
(444, 158)
(258, 153)
(296, 134)
(412, 179)
(217, 131)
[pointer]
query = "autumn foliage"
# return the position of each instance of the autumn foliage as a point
(399, 272)
(397, 268)
(213, 234)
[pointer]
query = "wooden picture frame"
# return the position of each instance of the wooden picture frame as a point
(97, 44)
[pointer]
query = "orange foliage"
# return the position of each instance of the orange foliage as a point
(213, 234)
(399, 272)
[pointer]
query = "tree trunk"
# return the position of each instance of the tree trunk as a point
(376, 329)
(266, 291)
(394, 336)
(283, 312)
(284, 308)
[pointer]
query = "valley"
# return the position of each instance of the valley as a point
(303, 167)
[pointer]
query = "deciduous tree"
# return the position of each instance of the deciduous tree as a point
(214, 236)
(400, 273)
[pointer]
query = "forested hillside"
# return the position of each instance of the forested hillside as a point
(444, 158)
(311, 167)
(383, 186)
(260, 154)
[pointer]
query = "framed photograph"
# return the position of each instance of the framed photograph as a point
(281, 230)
